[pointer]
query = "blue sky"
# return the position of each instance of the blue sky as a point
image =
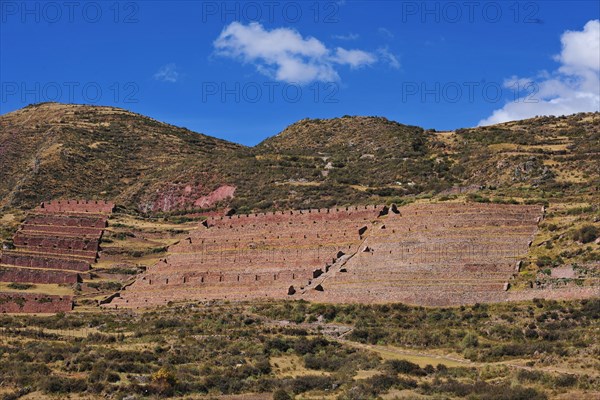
(243, 71)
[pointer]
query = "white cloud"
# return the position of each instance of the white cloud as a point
(581, 49)
(391, 59)
(350, 36)
(167, 73)
(386, 33)
(354, 58)
(573, 87)
(285, 55)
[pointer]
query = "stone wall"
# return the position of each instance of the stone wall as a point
(75, 221)
(434, 255)
(29, 275)
(56, 244)
(34, 303)
(570, 292)
(33, 261)
(252, 256)
(77, 206)
(61, 235)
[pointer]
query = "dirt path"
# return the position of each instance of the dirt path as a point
(417, 357)
(423, 358)
(337, 332)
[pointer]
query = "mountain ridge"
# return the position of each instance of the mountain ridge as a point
(53, 150)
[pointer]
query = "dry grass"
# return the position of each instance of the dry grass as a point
(396, 353)
(403, 394)
(365, 374)
(292, 366)
(51, 289)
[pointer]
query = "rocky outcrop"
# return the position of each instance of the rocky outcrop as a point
(185, 196)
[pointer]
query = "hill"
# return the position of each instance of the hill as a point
(385, 158)
(54, 150)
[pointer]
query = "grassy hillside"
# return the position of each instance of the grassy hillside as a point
(68, 151)
(383, 158)
(52, 150)
(534, 350)
(284, 350)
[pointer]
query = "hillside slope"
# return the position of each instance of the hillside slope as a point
(371, 159)
(52, 151)
(59, 151)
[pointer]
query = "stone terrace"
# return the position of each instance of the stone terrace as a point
(34, 303)
(56, 244)
(252, 256)
(438, 254)
(435, 255)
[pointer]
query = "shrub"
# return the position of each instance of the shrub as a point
(56, 384)
(530, 376)
(405, 367)
(565, 380)
(470, 340)
(311, 382)
(20, 286)
(486, 391)
(164, 375)
(586, 234)
(163, 381)
(281, 394)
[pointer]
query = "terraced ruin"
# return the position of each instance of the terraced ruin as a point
(437, 255)
(250, 256)
(56, 244)
(461, 241)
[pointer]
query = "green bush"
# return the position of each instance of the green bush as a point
(586, 234)
(281, 394)
(405, 367)
(470, 340)
(20, 286)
